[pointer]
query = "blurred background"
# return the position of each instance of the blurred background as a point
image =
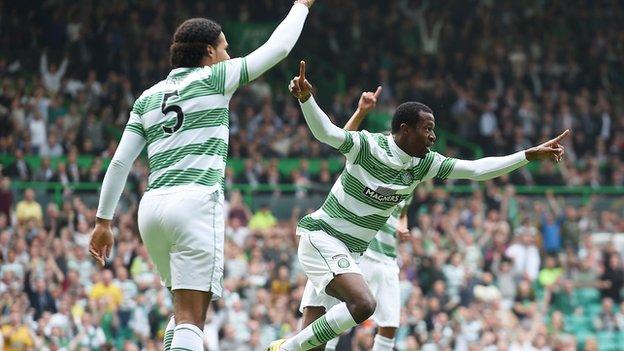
(530, 261)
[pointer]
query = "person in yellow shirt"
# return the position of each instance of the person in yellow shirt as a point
(28, 208)
(263, 219)
(106, 289)
(551, 272)
(17, 336)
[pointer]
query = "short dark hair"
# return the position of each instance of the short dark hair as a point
(408, 113)
(190, 41)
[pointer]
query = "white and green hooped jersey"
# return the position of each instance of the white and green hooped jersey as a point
(377, 177)
(383, 247)
(184, 120)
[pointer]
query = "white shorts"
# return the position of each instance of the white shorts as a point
(183, 231)
(383, 280)
(323, 257)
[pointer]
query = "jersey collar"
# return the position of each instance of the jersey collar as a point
(179, 70)
(404, 157)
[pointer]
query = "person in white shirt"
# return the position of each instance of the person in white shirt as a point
(525, 255)
(52, 76)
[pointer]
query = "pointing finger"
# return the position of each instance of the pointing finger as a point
(377, 92)
(562, 135)
(302, 70)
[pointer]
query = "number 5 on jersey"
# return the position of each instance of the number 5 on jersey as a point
(172, 108)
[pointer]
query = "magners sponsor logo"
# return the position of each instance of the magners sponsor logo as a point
(393, 198)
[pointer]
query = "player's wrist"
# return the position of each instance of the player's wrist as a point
(102, 222)
(361, 111)
(305, 97)
(530, 154)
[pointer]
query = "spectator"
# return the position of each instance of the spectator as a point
(6, 197)
(263, 219)
(107, 290)
(612, 280)
(606, 319)
(52, 75)
(551, 272)
(129, 291)
(89, 336)
(524, 254)
(19, 168)
(41, 299)
(17, 335)
(29, 209)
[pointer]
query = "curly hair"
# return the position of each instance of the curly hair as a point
(190, 41)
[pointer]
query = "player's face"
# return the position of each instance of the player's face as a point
(421, 136)
(219, 53)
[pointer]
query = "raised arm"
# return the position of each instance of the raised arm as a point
(281, 41)
(321, 126)
(367, 102)
(43, 63)
(492, 167)
(130, 146)
(61, 71)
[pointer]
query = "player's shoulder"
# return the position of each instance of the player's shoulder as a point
(222, 66)
(141, 103)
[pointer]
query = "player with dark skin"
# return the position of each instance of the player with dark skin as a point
(415, 140)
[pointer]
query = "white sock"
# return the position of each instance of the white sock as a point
(329, 326)
(169, 333)
(187, 337)
(331, 344)
(383, 344)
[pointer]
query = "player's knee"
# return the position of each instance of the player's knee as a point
(363, 307)
(190, 320)
(184, 316)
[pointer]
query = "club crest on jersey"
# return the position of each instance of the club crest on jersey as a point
(343, 263)
(406, 177)
(382, 195)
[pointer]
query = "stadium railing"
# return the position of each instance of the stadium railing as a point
(249, 190)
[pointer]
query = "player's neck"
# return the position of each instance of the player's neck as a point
(401, 144)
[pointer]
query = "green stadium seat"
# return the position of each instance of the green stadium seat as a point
(607, 341)
(592, 310)
(588, 295)
(575, 323)
(581, 336)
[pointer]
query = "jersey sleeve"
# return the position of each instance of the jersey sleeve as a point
(226, 76)
(135, 125)
(130, 146)
(351, 144)
(441, 167)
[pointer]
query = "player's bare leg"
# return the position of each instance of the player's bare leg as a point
(358, 304)
(189, 308)
(384, 340)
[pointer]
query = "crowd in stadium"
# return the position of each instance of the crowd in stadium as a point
(477, 267)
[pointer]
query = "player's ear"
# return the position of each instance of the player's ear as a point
(211, 51)
(403, 128)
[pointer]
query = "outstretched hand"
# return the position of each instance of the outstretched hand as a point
(551, 149)
(299, 86)
(368, 100)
